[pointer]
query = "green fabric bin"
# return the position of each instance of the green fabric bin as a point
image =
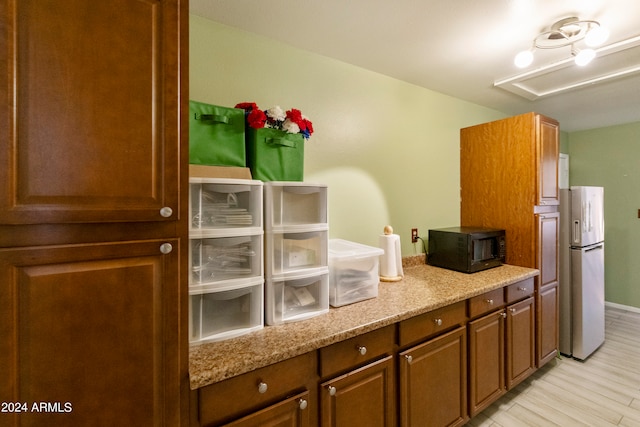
(275, 155)
(216, 135)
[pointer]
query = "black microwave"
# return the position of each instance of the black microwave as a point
(466, 249)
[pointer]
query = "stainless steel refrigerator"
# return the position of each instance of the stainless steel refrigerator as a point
(581, 270)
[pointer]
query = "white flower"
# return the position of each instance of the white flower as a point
(290, 127)
(276, 113)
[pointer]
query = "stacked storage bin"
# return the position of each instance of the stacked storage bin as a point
(226, 286)
(296, 251)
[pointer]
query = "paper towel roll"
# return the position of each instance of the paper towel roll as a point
(391, 260)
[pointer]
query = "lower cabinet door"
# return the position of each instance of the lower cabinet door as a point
(293, 412)
(433, 382)
(548, 323)
(521, 360)
(89, 334)
(362, 397)
(486, 356)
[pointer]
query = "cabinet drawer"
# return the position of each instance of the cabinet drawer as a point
(486, 302)
(229, 399)
(519, 290)
(355, 351)
(433, 322)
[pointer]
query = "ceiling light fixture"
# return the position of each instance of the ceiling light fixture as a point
(566, 32)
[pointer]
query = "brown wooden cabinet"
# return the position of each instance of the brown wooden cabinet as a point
(94, 327)
(93, 152)
(290, 412)
(547, 297)
(264, 397)
(433, 381)
(364, 396)
(486, 361)
(520, 342)
(501, 343)
(509, 180)
(358, 381)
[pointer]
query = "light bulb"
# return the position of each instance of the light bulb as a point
(523, 59)
(596, 36)
(584, 56)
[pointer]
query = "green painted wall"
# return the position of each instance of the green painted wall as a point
(610, 157)
(388, 150)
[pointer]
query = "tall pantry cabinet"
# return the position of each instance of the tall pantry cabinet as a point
(93, 152)
(509, 180)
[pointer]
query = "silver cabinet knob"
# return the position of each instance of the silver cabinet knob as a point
(522, 289)
(166, 212)
(302, 404)
(166, 248)
(332, 390)
(408, 357)
(262, 387)
(512, 310)
(362, 350)
(438, 321)
(504, 315)
(490, 301)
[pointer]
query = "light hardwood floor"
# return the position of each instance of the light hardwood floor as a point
(603, 391)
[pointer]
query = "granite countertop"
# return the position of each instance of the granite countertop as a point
(423, 289)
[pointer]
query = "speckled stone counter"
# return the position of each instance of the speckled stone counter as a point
(423, 289)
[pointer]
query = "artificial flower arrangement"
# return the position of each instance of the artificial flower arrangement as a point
(291, 121)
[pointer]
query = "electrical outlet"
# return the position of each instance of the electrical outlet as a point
(414, 235)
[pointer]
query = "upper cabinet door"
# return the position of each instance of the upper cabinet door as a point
(90, 110)
(547, 134)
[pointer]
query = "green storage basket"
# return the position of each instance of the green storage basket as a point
(275, 155)
(216, 135)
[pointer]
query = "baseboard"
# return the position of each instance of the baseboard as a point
(622, 307)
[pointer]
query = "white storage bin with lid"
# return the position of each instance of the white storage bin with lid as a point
(293, 251)
(218, 314)
(353, 272)
(289, 204)
(220, 204)
(219, 259)
(293, 297)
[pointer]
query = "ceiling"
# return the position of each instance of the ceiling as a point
(460, 47)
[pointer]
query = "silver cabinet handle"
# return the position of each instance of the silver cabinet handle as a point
(332, 390)
(262, 387)
(438, 321)
(166, 212)
(408, 357)
(166, 248)
(362, 350)
(302, 404)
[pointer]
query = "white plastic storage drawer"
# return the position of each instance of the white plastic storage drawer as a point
(296, 297)
(290, 252)
(353, 272)
(294, 203)
(225, 258)
(223, 314)
(224, 203)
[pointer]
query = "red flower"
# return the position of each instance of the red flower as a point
(247, 106)
(295, 116)
(256, 118)
(308, 126)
